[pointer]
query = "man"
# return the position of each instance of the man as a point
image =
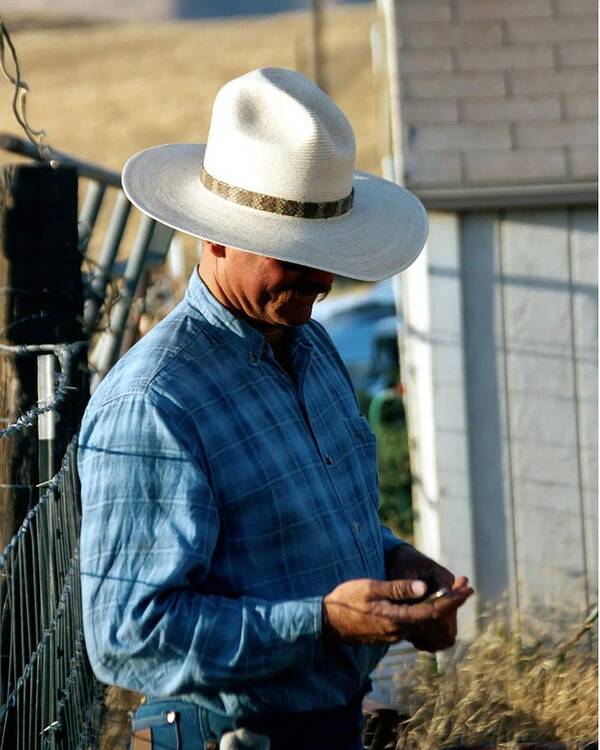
(233, 566)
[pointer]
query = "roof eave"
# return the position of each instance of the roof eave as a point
(514, 196)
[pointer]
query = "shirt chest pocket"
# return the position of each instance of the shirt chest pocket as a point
(362, 458)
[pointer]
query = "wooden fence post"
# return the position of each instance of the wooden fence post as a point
(317, 43)
(41, 302)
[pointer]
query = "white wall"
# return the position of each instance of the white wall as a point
(433, 364)
(500, 359)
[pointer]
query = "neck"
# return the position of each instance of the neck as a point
(275, 335)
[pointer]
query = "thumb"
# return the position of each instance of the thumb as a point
(400, 589)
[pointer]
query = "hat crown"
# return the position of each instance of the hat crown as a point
(273, 131)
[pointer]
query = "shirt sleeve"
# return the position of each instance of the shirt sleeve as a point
(389, 540)
(149, 528)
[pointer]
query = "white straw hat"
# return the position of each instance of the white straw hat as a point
(277, 178)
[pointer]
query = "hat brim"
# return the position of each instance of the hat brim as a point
(380, 236)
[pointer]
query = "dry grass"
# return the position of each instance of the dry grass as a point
(104, 91)
(509, 687)
(524, 685)
(116, 732)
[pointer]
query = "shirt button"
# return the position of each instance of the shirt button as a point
(329, 460)
(252, 358)
(356, 526)
(170, 717)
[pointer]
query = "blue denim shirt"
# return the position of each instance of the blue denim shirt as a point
(222, 499)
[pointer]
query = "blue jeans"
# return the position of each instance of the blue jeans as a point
(180, 725)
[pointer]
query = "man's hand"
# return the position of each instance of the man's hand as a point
(405, 561)
(365, 610)
(439, 634)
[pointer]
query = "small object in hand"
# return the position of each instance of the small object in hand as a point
(244, 739)
(439, 594)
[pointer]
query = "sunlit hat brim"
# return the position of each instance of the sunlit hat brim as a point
(381, 235)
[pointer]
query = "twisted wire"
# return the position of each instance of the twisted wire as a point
(21, 89)
(66, 353)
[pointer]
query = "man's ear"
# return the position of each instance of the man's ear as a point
(214, 248)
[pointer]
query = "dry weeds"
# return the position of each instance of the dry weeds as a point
(509, 687)
(104, 91)
(116, 732)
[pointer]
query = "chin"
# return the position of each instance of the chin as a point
(296, 316)
(292, 321)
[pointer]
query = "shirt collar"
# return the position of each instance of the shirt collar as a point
(201, 300)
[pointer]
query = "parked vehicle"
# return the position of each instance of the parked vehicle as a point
(364, 327)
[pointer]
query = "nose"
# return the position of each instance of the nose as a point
(312, 275)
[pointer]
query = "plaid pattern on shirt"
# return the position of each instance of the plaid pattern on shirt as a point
(222, 500)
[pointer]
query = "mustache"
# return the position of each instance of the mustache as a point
(307, 288)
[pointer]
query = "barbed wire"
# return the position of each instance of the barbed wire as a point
(111, 297)
(25, 319)
(24, 349)
(66, 356)
(108, 300)
(19, 102)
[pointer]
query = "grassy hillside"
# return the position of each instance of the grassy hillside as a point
(104, 91)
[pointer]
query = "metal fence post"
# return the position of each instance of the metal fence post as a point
(46, 421)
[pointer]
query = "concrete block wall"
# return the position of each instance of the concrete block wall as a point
(497, 92)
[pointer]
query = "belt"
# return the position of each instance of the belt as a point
(175, 724)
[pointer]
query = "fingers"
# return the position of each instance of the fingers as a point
(415, 614)
(438, 617)
(398, 590)
(366, 610)
(404, 561)
(444, 606)
(443, 577)
(460, 583)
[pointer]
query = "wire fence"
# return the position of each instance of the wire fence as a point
(49, 698)
(48, 695)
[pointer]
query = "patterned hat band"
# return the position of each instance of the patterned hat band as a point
(282, 206)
